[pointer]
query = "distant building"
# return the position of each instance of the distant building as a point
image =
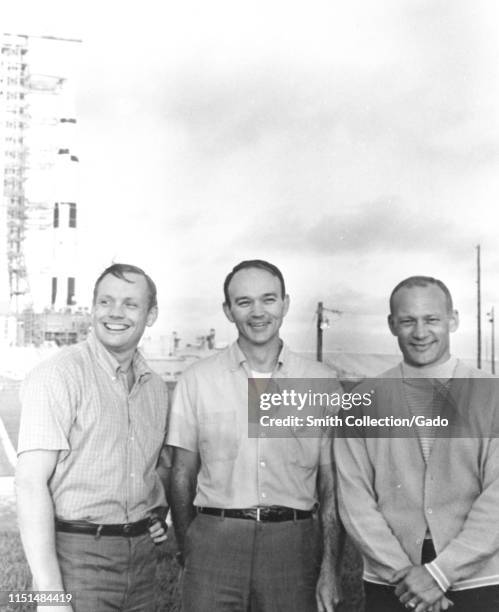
(8, 327)
(57, 327)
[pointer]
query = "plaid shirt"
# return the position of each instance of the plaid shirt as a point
(109, 438)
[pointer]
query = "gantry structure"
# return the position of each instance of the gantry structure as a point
(36, 130)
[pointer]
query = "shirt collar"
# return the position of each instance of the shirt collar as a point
(238, 359)
(110, 364)
(442, 371)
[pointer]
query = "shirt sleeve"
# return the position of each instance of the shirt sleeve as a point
(476, 542)
(48, 410)
(183, 428)
(437, 576)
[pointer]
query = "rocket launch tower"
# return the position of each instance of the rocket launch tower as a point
(40, 188)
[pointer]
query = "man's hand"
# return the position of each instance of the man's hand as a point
(417, 589)
(442, 604)
(158, 530)
(328, 591)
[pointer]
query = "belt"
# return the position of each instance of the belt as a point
(271, 514)
(127, 529)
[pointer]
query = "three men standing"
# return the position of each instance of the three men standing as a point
(92, 464)
(423, 510)
(92, 467)
(244, 508)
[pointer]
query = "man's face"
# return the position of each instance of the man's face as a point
(121, 312)
(256, 305)
(422, 324)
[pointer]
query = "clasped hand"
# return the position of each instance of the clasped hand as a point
(418, 591)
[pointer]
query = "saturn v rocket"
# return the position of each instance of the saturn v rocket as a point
(65, 219)
(41, 186)
(43, 127)
(52, 184)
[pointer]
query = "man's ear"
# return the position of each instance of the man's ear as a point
(286, 304)
(152, 315)
(391, 324)
(227, 312)
(454, 321)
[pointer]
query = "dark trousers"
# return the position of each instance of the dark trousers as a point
(240, 565)
(108, 573)
(382, 598)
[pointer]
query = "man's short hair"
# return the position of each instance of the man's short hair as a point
(422, 281)
(119, 270)
(253, 263)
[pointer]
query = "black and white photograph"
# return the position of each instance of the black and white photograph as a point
(199, 198)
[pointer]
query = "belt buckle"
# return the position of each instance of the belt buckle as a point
(258, 514)
(127, 528)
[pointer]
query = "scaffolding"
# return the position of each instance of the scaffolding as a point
(14, 70)
(22, 87)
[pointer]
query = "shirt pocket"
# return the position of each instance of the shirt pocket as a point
(218, 437)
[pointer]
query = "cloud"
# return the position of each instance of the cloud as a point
(387, 225)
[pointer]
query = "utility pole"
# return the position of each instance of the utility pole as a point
(320, 321)
(493, 350)
(323, 323)
(478, 311)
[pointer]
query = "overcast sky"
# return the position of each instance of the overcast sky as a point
(351, 143)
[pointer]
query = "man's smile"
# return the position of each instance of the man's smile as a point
(116, 327)
(421, 347)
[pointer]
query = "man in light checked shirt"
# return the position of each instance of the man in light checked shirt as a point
(92, 466)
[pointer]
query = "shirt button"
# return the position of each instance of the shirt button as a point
(132, 475)
(430, 511)
(262, 463)
(132, 438)
(264, 495)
